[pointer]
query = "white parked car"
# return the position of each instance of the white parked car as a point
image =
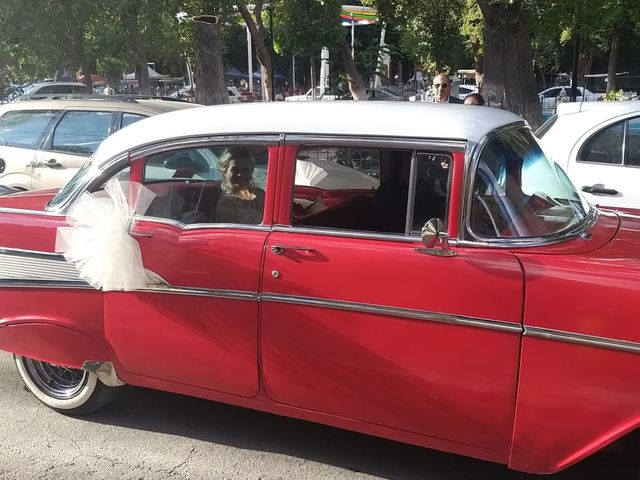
(553, 96)
(187, 92)
(598, 145)
(43, 143)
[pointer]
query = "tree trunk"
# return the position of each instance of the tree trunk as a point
(259, 36)
(312, 66)
(142, 69)
(211, 88)
(78, 44)
(509, 81)
(356, 84)
(613, 60)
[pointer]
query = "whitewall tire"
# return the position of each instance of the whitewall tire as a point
(66, 390)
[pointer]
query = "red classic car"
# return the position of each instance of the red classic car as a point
(419, 272)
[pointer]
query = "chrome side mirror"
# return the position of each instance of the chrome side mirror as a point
(431, 232)
(435, 240)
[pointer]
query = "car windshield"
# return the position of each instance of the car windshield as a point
(518, 192)
(71, 185)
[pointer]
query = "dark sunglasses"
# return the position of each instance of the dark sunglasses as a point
(438, 85)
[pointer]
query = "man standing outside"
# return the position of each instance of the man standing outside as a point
(442, 90)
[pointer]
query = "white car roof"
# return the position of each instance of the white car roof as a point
(602, 109)
(384, 119)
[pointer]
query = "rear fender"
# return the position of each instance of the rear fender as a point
(50, 341)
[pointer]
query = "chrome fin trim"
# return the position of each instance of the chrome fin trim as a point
(396, 312)
(36, 267)
(581, 339)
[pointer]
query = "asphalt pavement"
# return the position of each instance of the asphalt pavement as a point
(151, 435)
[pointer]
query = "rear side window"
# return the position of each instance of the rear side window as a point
(81, 132)
(376, 190)
(129, 118)
(604, 146)
(24, 129)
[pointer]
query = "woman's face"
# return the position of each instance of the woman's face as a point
(239, 173)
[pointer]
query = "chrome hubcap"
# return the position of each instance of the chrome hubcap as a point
(55, 380)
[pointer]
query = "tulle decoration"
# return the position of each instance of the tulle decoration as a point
(308, 173)
(98, 240)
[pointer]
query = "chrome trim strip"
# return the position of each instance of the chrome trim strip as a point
(407, 143)
(347, 233)
(29, 212)
(197, 226)
(581, 339)
(70, 284)
(201, 292)
(19, 252)
(395, 312)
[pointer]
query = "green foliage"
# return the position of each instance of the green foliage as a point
(614, 95)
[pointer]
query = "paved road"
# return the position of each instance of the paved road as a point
(152, 435)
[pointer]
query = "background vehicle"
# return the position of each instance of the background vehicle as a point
(186, 93)
(44, 142)
(598, 145)
(307, 97)
(498, 318)
(553, 96)
(374, 94)
(47, 88)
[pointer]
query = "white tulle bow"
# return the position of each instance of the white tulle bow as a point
(98, 240)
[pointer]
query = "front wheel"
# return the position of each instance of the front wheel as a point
(66, 390)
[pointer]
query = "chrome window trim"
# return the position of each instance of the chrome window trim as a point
(408, 143)
(466, 235)
(582, 339)
(395, 312)
(327, 232)
(202, 292)
(97, 175)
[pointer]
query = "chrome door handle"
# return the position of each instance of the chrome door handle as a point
(140, 234)
(279, 249)
(594, 189)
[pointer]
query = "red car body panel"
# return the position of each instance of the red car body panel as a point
(449, 352)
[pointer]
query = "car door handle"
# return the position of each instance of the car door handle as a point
(280, 249)
(599, 190)
(52, 163)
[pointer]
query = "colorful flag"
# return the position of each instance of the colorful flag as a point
(358, 15)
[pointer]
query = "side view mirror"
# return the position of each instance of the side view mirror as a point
(431, 232)
(435, 240)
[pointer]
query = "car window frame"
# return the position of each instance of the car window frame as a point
(48, 143)
(417, 145)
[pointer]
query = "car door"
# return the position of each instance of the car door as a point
(199, 325)
(21, 135)
(605, 164)
(359, 321)
(74, 137)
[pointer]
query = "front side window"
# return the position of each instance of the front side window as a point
(219, 184)
(605, 146)
(81, 132)
(25, 129)
(369, 189)
(518, 193)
